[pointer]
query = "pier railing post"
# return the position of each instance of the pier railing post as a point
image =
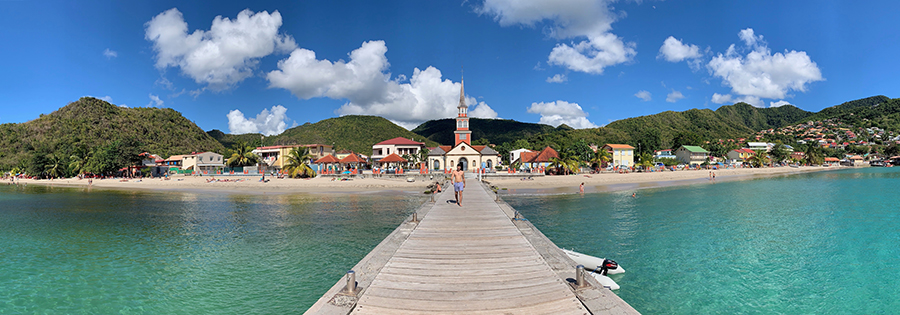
(415, 217)
(351, 288)
(579, 276)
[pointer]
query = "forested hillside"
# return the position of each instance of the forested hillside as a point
(494, 131)
(356, 133)
(92, 128)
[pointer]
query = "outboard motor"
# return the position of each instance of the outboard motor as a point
(608, 264)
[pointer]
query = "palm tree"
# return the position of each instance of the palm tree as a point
(646, 160)
(600, 157)
(566, 162)
(813, 154)
(242, 155)
(759, 158)
(423, 157)
(296, 163)
(78, 162)
(55, 166)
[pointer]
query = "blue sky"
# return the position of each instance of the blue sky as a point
(269, 65)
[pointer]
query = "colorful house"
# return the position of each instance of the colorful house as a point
(692, 155)
(399, 145)
(622, 154)
(538, 159)
(738, 156)
(274, 156)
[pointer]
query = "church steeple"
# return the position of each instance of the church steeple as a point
(462, 93)
(462, 133)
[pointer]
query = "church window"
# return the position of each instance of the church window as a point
(462, 136)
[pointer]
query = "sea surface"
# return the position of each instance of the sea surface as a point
(74, 251)
(814, 243)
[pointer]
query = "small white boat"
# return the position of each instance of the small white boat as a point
(592, 263)
(605, 281)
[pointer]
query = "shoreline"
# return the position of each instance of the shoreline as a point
(253, 186)
(612, 182)
(565, 184)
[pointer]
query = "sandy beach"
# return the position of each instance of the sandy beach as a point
(543, 184)
(631, 181)
(247, 185)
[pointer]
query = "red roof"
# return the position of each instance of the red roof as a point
(831, 159)
(400, 141)
(328, 159)
(539, 157)
(446, 148)
(618, 146)
(352, 158)
(392, 159)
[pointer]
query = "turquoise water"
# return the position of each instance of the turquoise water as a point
(70, 251)
(817, 243)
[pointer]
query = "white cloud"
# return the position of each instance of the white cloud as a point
(728, 98)
(762, 74)
(155, 101)
(107, 98)
(222, 56)
(779, 103)
(644, 95)
(674, 96)
(590, 19)
(562, 112)
(558, 78)
(268, 122)
(673, 50)
(365, 83)
(110, 53)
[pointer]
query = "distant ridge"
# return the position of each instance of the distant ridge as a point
(352, 132)
(495, 131)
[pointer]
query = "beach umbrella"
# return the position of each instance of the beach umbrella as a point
(393, 158)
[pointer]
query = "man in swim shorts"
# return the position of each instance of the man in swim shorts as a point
(458, 177)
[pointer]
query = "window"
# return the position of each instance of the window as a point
(462, 136)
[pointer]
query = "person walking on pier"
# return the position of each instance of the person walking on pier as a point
(458, 177)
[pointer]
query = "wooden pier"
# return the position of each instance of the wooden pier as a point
(475, 259)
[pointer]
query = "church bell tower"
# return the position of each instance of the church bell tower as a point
(462, 133)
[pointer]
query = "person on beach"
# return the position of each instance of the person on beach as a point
(458, 177)
(633, 195)
(581, 188)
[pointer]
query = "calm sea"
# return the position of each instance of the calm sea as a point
(822, 243)
(818, 243)
(70, 251)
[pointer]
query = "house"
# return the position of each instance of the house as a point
(759, 146)
(174, 161)
(538, 159)
(155, 163)
(515, 154)
(399, 145)
(738, 156)
(622, 154)
(799, 156)
(663, 154)
(692, 155)
(831, 161)
(274, 156)
(208, 162)
(462, 153)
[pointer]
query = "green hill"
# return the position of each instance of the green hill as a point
(228, 140)
(356, 133)
(495, 131)
(90, 123)
(876, 111)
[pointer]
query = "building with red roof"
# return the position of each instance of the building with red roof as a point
(462, 153)
(398, 145)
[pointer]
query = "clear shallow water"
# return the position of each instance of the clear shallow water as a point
(820, 243)
(70, 251)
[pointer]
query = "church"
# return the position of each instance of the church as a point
(463, 153)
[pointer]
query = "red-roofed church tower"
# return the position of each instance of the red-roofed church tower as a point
(462, 133)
